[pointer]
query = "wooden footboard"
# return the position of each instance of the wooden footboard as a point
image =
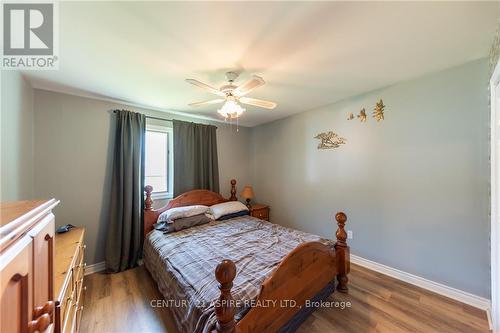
(302, 274)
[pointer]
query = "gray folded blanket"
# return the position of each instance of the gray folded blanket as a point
(182, 223)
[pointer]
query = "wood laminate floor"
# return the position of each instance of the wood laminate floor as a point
(122, 303)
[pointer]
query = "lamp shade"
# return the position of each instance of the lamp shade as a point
(231, 109)
(247, 192)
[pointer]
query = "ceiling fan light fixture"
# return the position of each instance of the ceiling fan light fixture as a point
(233, 95)
(231, 109)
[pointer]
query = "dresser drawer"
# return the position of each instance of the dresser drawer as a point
(79, 316)
(70, 271)
(69, 317)
(67, 298)
(79, 304)
(79, 267)
(79, 290)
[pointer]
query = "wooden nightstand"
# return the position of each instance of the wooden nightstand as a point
(260, 211)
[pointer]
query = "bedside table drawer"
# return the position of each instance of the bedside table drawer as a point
(262, 214)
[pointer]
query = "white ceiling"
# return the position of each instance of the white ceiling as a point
(310, 54)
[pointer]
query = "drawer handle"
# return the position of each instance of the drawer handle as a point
(47, 308)
(84, 246)
(39, 324)
(84, 287)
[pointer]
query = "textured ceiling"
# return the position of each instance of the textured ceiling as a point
(310, 54)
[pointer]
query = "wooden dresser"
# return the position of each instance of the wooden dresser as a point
(69, 285)
(27, 266)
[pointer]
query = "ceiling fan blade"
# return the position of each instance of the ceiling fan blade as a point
(210, 101)
(258, 102)
(245, 88)
(206, 87)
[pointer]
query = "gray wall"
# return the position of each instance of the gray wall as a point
(415, 187)
(16, 138)
(73, 160)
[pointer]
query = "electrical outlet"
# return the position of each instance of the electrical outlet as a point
(349, 234)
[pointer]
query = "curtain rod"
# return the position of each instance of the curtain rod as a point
(158, 118)
(151, 117)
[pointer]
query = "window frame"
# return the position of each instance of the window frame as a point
(168, 194)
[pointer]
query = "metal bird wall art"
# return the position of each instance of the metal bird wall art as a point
(378, 113)
(362, 115)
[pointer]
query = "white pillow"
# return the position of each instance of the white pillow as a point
(225, 208)
(181, 212)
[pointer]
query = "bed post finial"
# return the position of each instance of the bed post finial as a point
(341, 218)
(224, 307)
(148, 203)
(342, 253)
(233, 191)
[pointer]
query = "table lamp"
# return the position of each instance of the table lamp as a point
(247, 194)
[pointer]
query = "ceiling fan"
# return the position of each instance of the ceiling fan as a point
(231, 94)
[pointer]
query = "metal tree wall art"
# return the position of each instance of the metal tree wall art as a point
(330, 140)
(378, 111)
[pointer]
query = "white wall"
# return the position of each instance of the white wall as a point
(16, 138)
(415, 187)
(73, 159)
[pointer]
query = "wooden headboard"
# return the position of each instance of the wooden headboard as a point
(194, 197)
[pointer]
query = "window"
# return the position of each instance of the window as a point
(159, 161)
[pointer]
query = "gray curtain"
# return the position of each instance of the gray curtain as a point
(195, 157)
(125, 228)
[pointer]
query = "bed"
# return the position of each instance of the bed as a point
(242, 274)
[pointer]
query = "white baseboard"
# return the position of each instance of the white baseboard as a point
(98, 267)
(453, 293)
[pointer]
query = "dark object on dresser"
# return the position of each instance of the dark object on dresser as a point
(64, 228)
